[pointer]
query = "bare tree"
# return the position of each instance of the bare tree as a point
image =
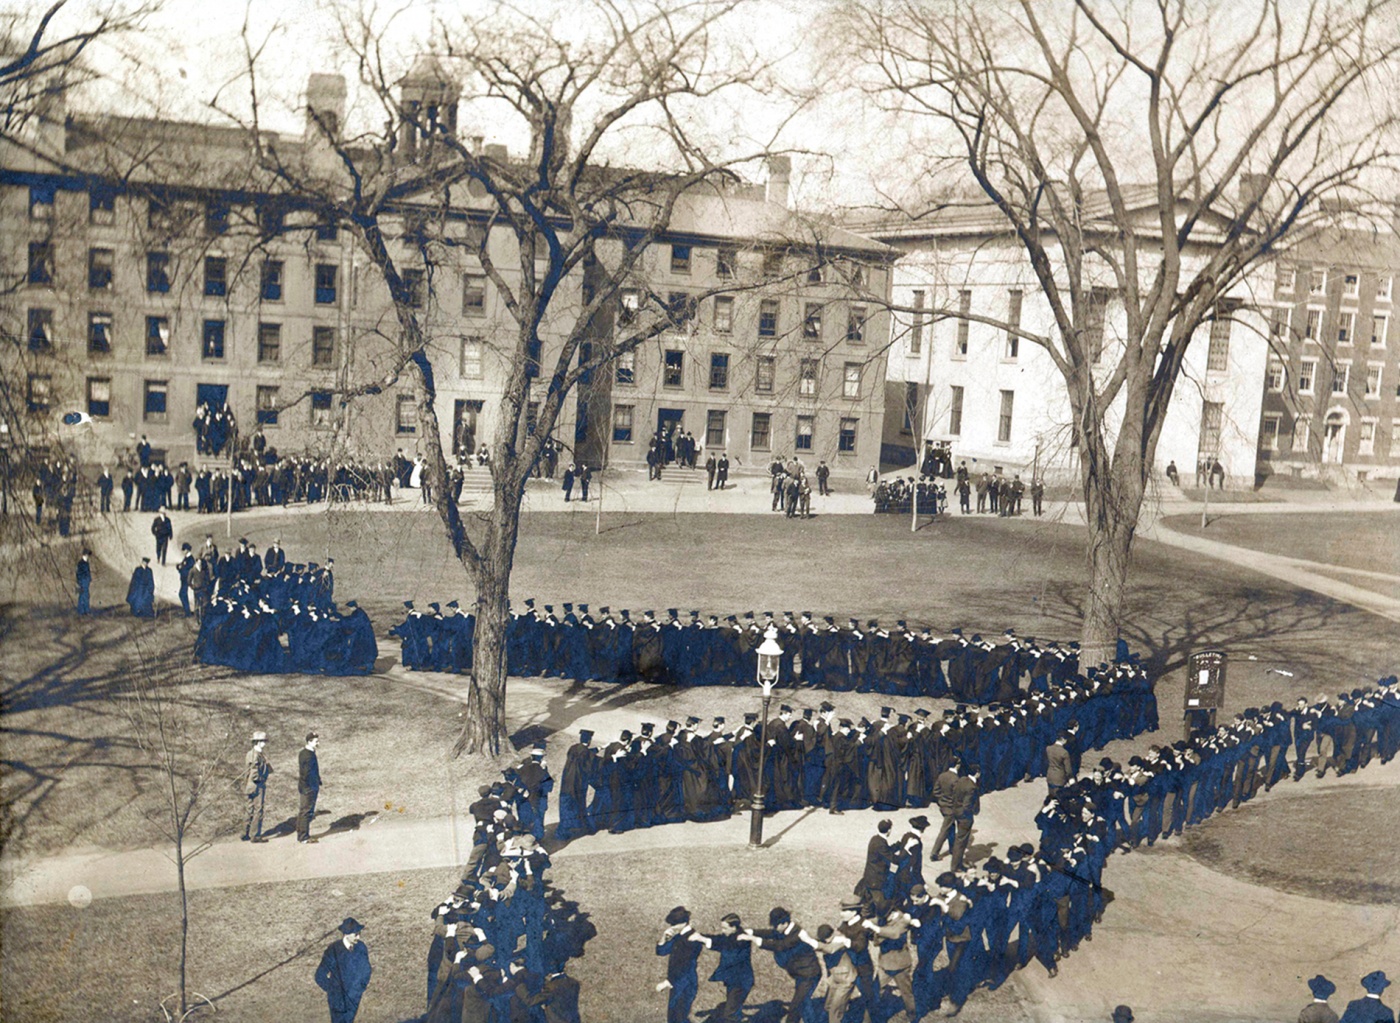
(1155, 154)
(559, 233)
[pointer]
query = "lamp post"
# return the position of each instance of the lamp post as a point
(769, 657)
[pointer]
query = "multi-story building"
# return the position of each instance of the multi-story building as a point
(1331, 399)
(150, 269)
(998, 399)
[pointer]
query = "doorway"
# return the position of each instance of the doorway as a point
(1334, 437)
(213, 395)
(464, 424)
(669, 422)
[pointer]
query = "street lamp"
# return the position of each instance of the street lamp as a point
(769, 657)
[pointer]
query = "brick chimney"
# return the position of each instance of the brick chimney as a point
(779, 179)
(325, 99)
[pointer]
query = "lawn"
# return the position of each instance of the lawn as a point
(1369, 541)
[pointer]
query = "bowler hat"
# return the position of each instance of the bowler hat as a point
(1122, 1014)
(679, 915)
(1321, 987)
(1375, 982)
(351, 926)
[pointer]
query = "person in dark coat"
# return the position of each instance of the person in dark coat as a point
(184, 567)
(558, 997)
(84, 574)
(344, 972)
(105, 483)
(141, 593)
(580, 771)
(681, 945)
(585, 477)
(568, 484)
(162, 530)
(308, 787)
(735, 968)
(1370, 1009)
(1318, 1011)
(792, 952)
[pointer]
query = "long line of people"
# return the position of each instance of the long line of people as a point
(700, 771)
(502, 940)
(268, 615)
(896, 496)
(906, 661)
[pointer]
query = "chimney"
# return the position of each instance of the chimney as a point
(497, 152)
(325, 98)
(477, 141)
(779, 178)
(1252, 187)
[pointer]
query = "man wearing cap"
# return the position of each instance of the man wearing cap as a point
(1370, 1009)
(580, 771)
(141, 591)
(681, 945)
(255, 772)
(1122, 1014)
(344, 972)
(1318, 1011)
(792, 952)
(308, 788)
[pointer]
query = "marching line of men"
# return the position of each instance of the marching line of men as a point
(502, 939)
(908, 661)
(698, 771)
(271, 616)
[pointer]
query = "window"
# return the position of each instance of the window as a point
(1346, 325)
(812, 321)
(850, 380)
(764, 372)
(474, 294)
(215, 275)
(1218, 355)
(153, 408)
(724, 314)
(1351, 285)
(1317, 282)
(216, 217)
(1268, 431)
(768, 317)
(1095, 304)
(1014, 299)
(1384, 284)
(323, 346)
(320, 408)
(40, 392)
(726, 261)
(267, 406)
(1302, 426)
(1314, 328)
(1274, 377)
(1341, 377)
(1286, 280)
(325, 283)
(719, 371)
(100, 267)
(680, 259)
(1373, 379)
(1212, 419)
(622, 424)
(1307, 375)
(99, 333)
(673, 367)
(625, 368)
(846, 439)
(271, 218)
(157, 335)
(911, 406)
(715, 428)
(1008, 399)
(1278, 322)
(803, 441)
(860, 275)
(916, 328)
(964, 327)
(532, 358)
(532, 418)
(761, 433)
(629, 303)
(158, 272)
(1366, 438)
(772, 262)
(99, 397)
(406, 415)
(102, 206)
(807, 378)
(1380, 326)
(213, 344)
(272, 280)
(40, 330)
(855, 325)
(40, 263)
(955, 409)
(269, 342)
(41, 202)
(680, 309)
(326, 228)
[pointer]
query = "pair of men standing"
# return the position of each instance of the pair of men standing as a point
(955, 792)
(257, 769)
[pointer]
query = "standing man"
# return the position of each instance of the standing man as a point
(38, 493)
(1318, 1011)
(141, 591)
(722, 472)
(344, 972)
(255, 772)
(823, 475)
(1059, 766)
(162, 530)
(1370, 1009)
(184, 567)
(681, 945)
(966, 804)
(735, 969)
(308, 787)
(84, 582)
(943, 787)
(1037, 495)
(585, 476)
(711, 465)
(105, 484)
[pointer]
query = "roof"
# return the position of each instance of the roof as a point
(720, 217)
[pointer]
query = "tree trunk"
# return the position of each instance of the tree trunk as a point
(184, 920)
(1113, 493)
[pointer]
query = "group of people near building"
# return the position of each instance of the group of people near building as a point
(703, 770)
(55, 488)
(791, 486)
(673, 445)
(905, 661)
(502, 940)
(897, 496)
(215, 428)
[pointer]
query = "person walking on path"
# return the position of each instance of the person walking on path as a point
(308, 787)
(162, 530)
(84, 582)
(344, 972)
(255, 774)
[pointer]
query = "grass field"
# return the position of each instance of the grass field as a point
(1366, 541)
